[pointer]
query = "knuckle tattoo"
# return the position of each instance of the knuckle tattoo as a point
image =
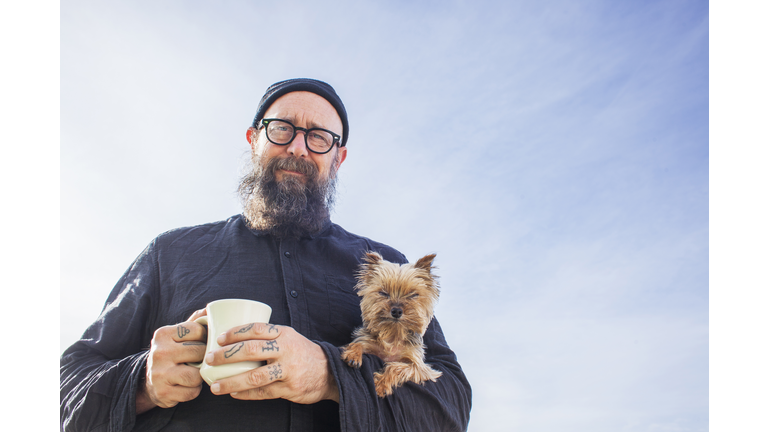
(194, 343)
(245, 329)
(275, 372)
(232, 351)
(270, 345)
(182, 331)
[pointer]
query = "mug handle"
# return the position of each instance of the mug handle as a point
(204, 321)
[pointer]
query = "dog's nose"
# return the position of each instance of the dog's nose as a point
(396, 312)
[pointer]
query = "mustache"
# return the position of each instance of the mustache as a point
(292, 163)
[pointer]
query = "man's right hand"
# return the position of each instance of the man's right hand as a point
(169, 380)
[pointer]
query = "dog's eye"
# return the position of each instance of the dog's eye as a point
(384, 294)
(413, 296)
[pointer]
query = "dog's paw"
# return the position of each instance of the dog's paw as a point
(352, 362)
(352, 356)
(383, 384)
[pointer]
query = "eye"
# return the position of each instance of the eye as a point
(413, 296)
(384, 294)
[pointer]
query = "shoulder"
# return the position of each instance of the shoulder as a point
(358, 244)
(207, 233)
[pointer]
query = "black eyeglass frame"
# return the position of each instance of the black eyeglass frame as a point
(336, 137)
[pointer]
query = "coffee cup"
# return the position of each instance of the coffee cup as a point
(223, 315)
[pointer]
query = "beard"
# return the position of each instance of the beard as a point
(289, 208)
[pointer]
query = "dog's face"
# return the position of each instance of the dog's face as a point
(397, 298)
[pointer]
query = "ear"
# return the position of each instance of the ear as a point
(366, 272)
(341, 157)
(252, 136)
(425, 263)
(372, 257)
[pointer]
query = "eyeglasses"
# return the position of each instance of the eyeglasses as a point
(317, 140)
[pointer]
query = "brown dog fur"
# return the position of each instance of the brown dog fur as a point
(397, 305)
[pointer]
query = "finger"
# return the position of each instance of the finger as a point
(256, 379)
(189, 331)
(250, 331)
(171, 386)
(169, 396)
(185, 376)
(166, 350)
(197, 314)
(250, 350)
(271, 391)
(190, 352)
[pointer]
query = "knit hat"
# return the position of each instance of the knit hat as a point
(303, 84)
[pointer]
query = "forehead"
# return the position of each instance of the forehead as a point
(305, 109)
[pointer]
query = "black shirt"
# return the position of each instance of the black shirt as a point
(308, 282)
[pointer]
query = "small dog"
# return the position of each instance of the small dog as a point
(397, 305)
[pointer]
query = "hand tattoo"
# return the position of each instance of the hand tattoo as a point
(275, 372)
(270, 345)
(245, 329)
(272, 327)
(232, 351)
(182, 331)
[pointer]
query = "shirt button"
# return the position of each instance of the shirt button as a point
(287, 254)
(294, 294)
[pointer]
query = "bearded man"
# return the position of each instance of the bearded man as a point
(130, 369)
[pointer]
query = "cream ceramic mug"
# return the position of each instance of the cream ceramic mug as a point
(223, 315)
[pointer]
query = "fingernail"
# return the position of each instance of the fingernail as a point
(220, 340)
(209, 358)
(215, 388)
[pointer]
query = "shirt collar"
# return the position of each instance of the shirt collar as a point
(259, 233)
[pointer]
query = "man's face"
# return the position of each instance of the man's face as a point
(305, 110)
(289, 190)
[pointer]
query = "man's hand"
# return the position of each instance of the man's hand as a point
(296, 369)
(169, 380)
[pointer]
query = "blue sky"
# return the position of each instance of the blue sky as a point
(555, 156)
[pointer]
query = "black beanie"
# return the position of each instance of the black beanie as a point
(303, 84)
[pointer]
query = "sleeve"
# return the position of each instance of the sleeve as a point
(99, 373)
(443, 405)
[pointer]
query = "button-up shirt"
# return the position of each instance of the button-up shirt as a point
(309, 284)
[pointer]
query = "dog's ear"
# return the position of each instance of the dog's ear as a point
(372, 257)
(425, 263)
(367, 270)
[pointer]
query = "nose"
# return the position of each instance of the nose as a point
(298, 147)
(396, 312)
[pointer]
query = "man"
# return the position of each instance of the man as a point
(129, 370)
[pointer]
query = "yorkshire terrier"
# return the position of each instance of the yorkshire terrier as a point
(397, 306)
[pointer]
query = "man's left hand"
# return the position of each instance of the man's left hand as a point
(297, 368)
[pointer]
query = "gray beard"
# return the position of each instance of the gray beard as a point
(289, 208)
